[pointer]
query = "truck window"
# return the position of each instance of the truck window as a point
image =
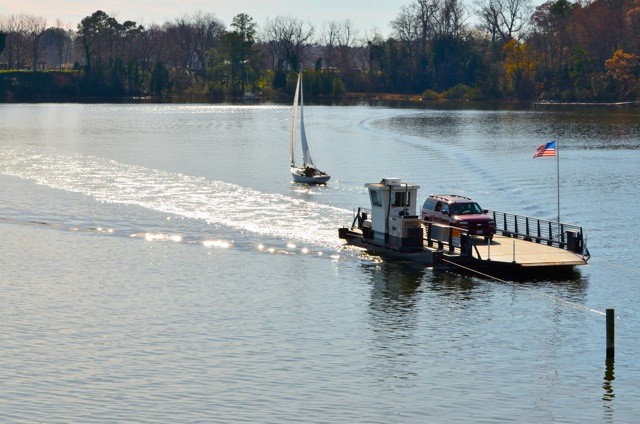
(429, 204)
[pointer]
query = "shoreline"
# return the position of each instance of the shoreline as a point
(350, 98)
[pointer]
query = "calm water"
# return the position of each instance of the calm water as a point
(158, 265)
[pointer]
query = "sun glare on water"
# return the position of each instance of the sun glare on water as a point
(217, 243)
(215, 203)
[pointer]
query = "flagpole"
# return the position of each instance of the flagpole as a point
(558, 174)
(551, 148)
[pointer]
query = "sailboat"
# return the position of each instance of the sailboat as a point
(307, 172)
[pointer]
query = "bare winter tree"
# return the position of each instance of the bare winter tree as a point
(207, 30)
(63, 43)
(414, 26)
(58, 43)
(340, 41)
(181, 42)
(373, 40)
(449, 19)
(189, 39)
(152, 46)
(405, 27)
(16, 49)
(503, 20)
(34, 28)
(287, 39)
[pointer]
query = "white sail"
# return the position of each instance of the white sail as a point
(306, 153)
(294, 116)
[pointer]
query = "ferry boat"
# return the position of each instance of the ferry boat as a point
(521, 246)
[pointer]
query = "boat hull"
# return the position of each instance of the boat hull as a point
(301, 176)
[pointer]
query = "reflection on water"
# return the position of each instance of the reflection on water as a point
(393, 318)
(608, 396)
(575, 128)
(392, 303)
(394, 283)
(454, 285)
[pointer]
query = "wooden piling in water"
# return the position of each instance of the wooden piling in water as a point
(610, 334)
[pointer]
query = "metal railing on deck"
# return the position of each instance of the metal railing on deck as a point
(558, 234)
(360, 216)
(440, 235)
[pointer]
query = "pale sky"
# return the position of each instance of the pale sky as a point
(364, 14)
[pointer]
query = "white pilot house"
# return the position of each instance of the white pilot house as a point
(394, 220)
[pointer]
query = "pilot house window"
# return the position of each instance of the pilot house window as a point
(376, 198)
(401, 198)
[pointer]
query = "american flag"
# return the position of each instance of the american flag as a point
(547, 149)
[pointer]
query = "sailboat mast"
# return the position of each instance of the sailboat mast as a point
(306, 153)
(294, 117)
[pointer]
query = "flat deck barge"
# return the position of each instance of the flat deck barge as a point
(522, 246)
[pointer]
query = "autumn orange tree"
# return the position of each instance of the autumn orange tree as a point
(624, 68)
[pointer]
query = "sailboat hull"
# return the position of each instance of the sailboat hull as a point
(301, 176)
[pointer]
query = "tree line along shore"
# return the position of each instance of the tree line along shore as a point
(560, 51)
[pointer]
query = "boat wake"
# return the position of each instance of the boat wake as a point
(467, 157)
(217, 203)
